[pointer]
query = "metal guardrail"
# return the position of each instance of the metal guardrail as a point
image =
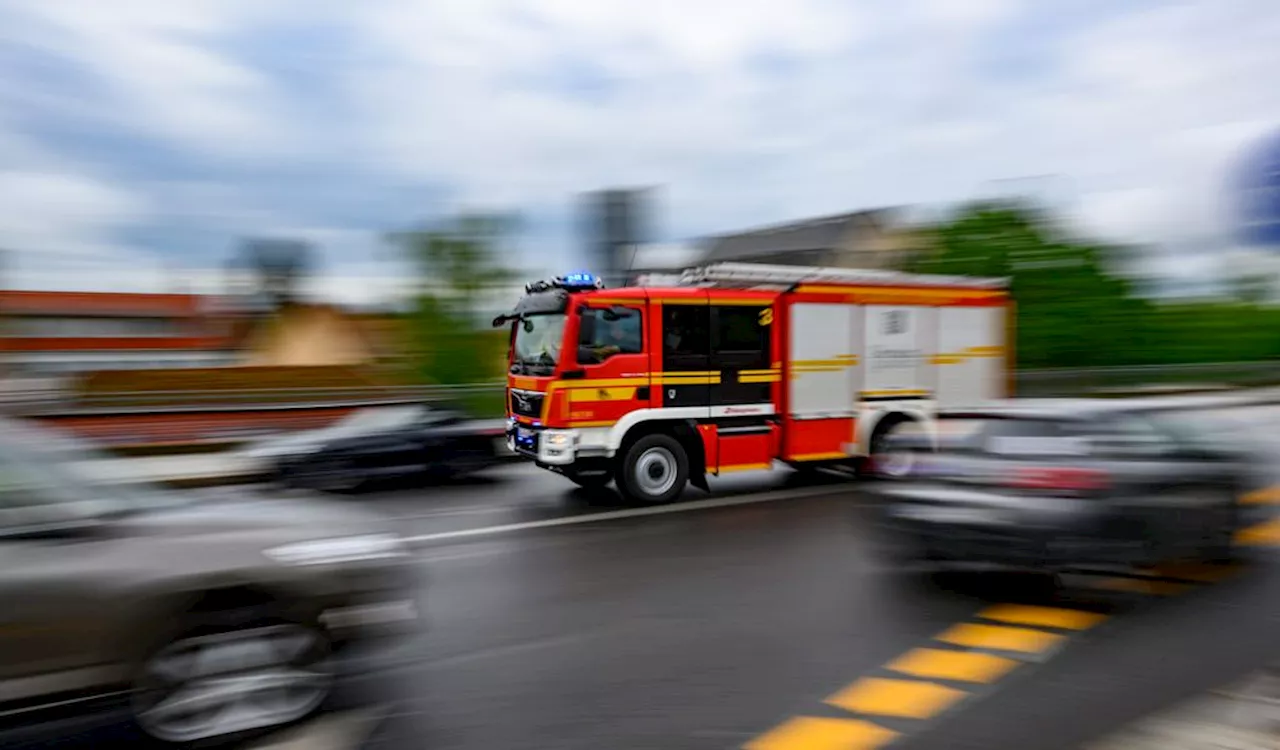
(1084, 381)
(1053, 382)
(228, 399)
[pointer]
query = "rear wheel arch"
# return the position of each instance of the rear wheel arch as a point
(163, 616)
(883, 428)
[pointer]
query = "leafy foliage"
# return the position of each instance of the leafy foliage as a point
(1071, 312)
(458, 262)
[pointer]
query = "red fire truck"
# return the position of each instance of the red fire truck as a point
(733, 367)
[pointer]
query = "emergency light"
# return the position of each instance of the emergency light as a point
(570, 283)
(580, 280)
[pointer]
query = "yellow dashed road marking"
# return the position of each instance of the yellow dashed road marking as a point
(1044, 617)
(907, 699)
(1140, 586)
(1264, 534)
(1020, 630)
(1196, 573)
(961, 666)
(1265, 496)
(810, 733)
(1000, 638)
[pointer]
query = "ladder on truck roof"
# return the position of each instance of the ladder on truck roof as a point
(759, 274)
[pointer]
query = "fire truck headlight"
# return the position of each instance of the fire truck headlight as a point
(558, 439)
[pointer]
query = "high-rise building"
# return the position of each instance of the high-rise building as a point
(615, 224)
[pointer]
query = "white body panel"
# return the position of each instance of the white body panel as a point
(898, 342)
(971, 355)
(824, 360)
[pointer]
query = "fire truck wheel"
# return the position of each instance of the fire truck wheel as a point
(654, 470)
(887, 462)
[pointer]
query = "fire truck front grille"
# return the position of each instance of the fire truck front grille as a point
(526, 403)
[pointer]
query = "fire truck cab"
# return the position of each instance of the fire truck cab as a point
(736, 367)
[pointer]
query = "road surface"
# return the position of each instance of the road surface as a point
(760, 617)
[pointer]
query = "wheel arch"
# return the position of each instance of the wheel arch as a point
(872, 425)
(685, 431)
(162, 615)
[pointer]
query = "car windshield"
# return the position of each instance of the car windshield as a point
(538, 341)
(42, 469)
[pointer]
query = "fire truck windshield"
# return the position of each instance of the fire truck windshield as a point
(537, 344)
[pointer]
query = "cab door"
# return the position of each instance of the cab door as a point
(688, 377)
(742, 353)
(612, 356)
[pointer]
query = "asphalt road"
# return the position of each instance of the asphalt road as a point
(761, 617)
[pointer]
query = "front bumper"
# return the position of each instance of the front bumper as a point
(967, 536)
(546, 446)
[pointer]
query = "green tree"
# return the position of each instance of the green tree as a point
(457, 262)
(1252, 288)
(1071, 313)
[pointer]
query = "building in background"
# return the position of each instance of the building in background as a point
(319, 335)
(616, 222)
(55, 333)
(862, 239)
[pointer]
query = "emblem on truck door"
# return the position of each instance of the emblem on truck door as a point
(895, 322)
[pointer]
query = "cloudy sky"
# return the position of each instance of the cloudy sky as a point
(139, 138)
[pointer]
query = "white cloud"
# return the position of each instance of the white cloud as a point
(161, 68)
(748, 112)
(56, 215)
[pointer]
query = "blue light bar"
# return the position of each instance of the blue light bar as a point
(580, 280)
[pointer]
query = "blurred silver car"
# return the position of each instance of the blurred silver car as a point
(194, 617)
(1057, 484)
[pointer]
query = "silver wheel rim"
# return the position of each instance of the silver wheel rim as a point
(213, 686)
(655, 471)
(895, 463)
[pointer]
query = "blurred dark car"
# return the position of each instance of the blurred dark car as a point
(1058, 484)
(416, 441)
(182, 617)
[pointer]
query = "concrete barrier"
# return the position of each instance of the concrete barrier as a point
(233, 467)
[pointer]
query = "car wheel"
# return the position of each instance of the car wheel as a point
(334, 477)
(205, 686)
(886, 462)
(1221, 546)
(466, 463)
(654, 470)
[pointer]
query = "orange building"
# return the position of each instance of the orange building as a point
(51, 333)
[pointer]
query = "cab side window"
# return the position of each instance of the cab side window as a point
(741, 336)
(605, 333)
(686, 337)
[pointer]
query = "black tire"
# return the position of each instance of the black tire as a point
(334, 476)
(1221, 548)
(876, 464)
(462, 464)
(301, 652)
(655, 470)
